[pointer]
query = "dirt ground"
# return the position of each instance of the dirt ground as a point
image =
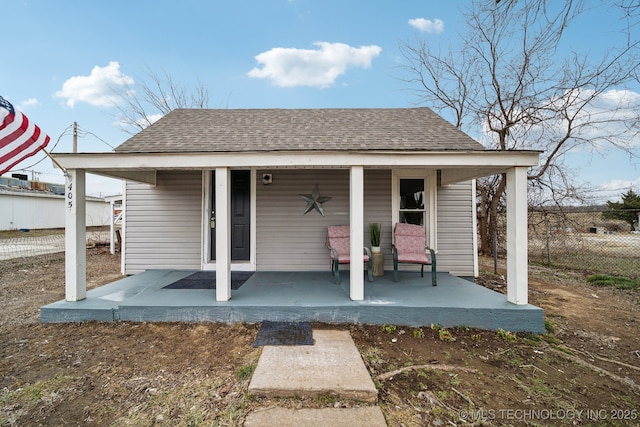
(584, 371)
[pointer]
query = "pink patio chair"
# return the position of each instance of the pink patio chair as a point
(339, 243)
(410, 246)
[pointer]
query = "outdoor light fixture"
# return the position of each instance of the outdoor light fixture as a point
(267, 178)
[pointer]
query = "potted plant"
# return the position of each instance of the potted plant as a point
(375, 229)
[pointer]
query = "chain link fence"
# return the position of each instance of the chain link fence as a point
(584, 240)
(45, 244)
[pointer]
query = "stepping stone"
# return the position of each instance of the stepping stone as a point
(332, 366)
(370, 416)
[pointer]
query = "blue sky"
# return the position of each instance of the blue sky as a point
(63, 58)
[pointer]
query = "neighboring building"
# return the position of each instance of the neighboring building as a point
(35, 205)
(220, 190)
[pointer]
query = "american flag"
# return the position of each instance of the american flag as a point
(19, 138)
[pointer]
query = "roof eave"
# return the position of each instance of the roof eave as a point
(143, 166)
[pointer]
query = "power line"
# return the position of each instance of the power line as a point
(64, 132)
(83, 132)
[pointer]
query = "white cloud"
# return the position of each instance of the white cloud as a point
(31, 102)
(427, 25)
(289, 67)
(613, 190)
(127, 124)
(619, 98)
(611, 117)
(98, 88)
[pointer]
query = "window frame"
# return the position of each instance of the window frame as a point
(430, 200)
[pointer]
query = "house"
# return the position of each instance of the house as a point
(221, 190)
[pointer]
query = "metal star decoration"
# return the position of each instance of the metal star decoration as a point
(314, 201)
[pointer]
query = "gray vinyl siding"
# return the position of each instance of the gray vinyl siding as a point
(163, 223)
(287, 240)
(377, 208)
(455, 229)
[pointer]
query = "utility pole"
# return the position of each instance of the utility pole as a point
(75, 137)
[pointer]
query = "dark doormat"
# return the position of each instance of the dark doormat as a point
(284, 333)
(207, 280)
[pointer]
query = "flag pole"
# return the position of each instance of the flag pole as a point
(64, 171)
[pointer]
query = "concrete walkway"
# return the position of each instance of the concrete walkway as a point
(332, 366)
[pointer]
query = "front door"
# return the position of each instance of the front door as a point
(240, 215)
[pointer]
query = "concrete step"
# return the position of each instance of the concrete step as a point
(332, 366)
(370, 416)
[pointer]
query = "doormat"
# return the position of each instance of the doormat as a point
(207, 280)
(284, 333)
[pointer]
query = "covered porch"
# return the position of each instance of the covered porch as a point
(302, 296)
(439, 170)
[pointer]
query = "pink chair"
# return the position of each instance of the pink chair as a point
(339, 244)
(410, 246)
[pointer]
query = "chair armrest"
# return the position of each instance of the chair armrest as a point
(433, 255)
(367, 252)
(394, 252)
(334, 253)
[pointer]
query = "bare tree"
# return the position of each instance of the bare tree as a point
(507, 83)
(154, 96)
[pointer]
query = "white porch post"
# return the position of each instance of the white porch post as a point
(517, 240)
(223, 235)
(75, 239)
(356, 220)
(112, 228)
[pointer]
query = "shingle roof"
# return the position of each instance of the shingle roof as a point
(397, 129)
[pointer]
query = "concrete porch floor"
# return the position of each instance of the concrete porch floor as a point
(302, 296)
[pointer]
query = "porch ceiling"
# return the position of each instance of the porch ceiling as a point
(456, 165)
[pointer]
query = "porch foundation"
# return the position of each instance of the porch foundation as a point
(302, 296)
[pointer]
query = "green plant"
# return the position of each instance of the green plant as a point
(476, 337)
(388, 328)
(616, 282)
(454, 379)
(550, 326)
(551, 339)
(245, 372)
(373, 356)
(445, 335)
(534, 338)
(418, 333)
(506, 335)
(375, 230)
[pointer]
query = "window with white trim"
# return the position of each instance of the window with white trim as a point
(412, 201)
(415, 200)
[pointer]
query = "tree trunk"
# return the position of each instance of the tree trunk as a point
(490, 201)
